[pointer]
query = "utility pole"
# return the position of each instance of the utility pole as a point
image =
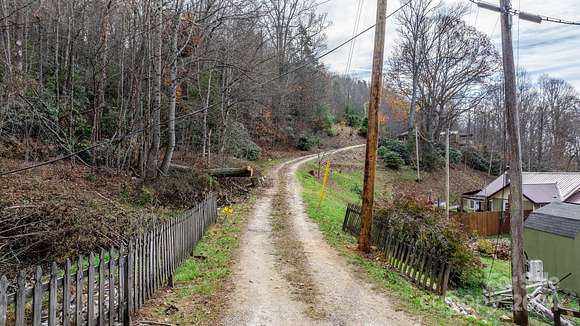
(447, 173)
(373, 129)
(520, 295)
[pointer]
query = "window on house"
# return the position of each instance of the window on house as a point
(506, 205)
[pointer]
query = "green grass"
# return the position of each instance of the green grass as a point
(201, 280)
(210, 263)
(344, 189)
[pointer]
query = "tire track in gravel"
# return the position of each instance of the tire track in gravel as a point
(348, 299)
(287, 274)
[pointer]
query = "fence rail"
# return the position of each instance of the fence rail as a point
(423, 266)
(106, 289)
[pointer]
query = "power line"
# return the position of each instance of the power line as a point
(118, 139)
(354, 31)
(525, 15)
(336, 47)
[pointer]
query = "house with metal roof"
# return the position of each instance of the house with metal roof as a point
(539, 189)
(552, 235)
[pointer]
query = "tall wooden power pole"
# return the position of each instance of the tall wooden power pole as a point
(373, 129)
(520, 307)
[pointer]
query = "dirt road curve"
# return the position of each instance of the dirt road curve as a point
(265, 292)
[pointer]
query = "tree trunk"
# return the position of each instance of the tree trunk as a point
(152, 162)
(172, 103)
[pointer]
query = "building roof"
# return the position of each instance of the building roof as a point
(556, 218)
(539, 187)
(542, 193)
(574, 199)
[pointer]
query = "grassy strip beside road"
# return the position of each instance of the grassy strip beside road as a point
(344, 188)
(201, 281)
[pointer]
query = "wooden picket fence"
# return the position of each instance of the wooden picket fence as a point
(423, 266)
(108, 288)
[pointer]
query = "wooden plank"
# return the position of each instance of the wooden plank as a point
(429, 282)
(387, 249)
(127, 288)
(419, 264)
(416, 261)
(101, 303)
(37, 299)
(148, 265)
(424, 277)
(153, 261)
(346, 216)
(158, 257)
(392, 248)
(66, 293)
(410, 259)
(400, 255)
(445, 282)
(150, 261)
(3, 300)
(20, 303)
(171, 252)
(128, 275)
(161, 250)
(136, 282)
(407, 260)
(52, 294)
(112, 287)
(124, 284)
(140, 288)
(79, 292)
(437, 271)
(165, 252)
(91, 291)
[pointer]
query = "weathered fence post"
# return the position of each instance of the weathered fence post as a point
(91, 291)
(20, 298)
(52, 295)
(101, 298)
(66, 294)
(79, 292)
(3, 300)
(37, 299)
(112, 287)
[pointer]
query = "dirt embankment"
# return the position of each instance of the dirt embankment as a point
(61, 210)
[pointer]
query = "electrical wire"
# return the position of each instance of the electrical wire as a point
(129, 134)
(354, 31)
(542, 17)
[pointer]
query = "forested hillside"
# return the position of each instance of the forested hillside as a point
(127, 84)
(135, 81)
(451, 75)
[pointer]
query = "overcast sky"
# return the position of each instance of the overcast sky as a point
(545, 48)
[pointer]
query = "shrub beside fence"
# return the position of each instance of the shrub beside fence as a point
(423, 266)
(109, 287)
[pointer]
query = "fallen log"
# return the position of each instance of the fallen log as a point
(239, 172)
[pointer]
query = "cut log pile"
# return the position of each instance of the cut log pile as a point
(234, 172)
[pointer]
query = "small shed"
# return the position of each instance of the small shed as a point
(552, 235)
